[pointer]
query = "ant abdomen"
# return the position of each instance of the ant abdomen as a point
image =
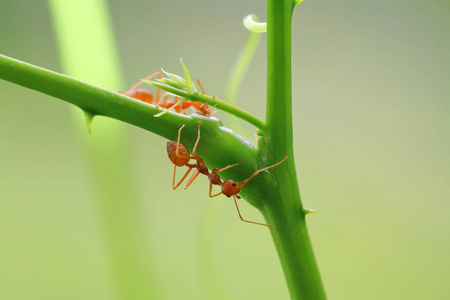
(142, 94)
(183, 156)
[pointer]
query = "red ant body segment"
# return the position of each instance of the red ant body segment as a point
(181, 157)
(232, 188)
(204, 109)
(141, 94)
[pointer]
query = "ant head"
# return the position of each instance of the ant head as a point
(230, 188)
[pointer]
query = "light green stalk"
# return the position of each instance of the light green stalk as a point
(87, 49)
(239, 70)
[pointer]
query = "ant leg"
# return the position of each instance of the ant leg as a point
(210, 190)
(242, 219)
(182, 179)
(198, 139)
(146, 78)
(192, 179)
(199, 160)
(227, 167)
(160, 99)
(178, 105)
(206, 111)
(203, 91)
(177, 153)
(178, 141)
(158, 90)
(261, 170)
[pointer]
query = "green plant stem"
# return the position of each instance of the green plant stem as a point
(282, 207)
(277, 195)
(219, 146)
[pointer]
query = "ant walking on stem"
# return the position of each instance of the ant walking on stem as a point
(162, 100)
(180, 156)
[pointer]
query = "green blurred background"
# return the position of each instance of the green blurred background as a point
(371, 105)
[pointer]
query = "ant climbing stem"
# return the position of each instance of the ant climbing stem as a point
(180, 156)
(232, 188)
(162, 100)
(216, 179)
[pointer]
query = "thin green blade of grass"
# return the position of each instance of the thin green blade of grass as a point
(87, 49)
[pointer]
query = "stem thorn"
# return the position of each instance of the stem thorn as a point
(89, 119)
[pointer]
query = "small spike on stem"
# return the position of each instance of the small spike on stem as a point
(89, 118)
(309, 211)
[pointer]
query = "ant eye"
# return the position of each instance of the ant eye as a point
(233, 184)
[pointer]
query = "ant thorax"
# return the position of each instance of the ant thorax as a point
(203, 169)
(214, 178)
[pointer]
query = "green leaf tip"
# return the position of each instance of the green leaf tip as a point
(89, 118)
(174, 81)
(297, 2)
(251, 22)
(190, 86)
(309, 211)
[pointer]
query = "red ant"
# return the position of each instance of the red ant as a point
(180, 156)
(232, 188)
(204, 109)
(163, 100)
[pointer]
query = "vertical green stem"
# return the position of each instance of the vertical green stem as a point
(282, 205)
(279, 90)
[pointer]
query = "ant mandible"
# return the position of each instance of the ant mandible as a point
(180, 156)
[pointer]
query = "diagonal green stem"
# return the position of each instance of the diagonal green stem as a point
(219, 146)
